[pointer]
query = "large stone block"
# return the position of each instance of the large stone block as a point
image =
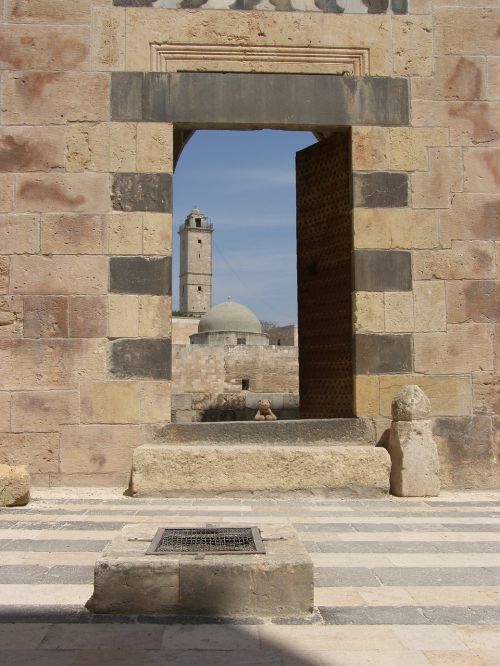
(409, 146)
(125, 233)
(157, 233)
(45, 317)
(59, 274)
(493, 77)
(44, 411)
(88, 317)
(150, 192)
(486, 392)
(366, 395)
(123, 147)
(449, 396)
(213, 470)
(15, 484)
(455, 78)
(482, 169)
(395, 228)
(154, 147)
(123, 316)
(473, 300)
(42, 47)
(462, 348)
(433, 189)
(140, 275)
(110, 402)
(382, 270)
(398, 308)
(38, 452)
(55, 193)
(471, 216)
(380, 189)
(5, 399)
(413, 45)
(148, 358)
(471, 260)
(31, 148)
(154, 316)
(11, 316)
(382, 354)
(429, 301)
(98, 449)
(108, 39)
(51, 11)
(54, 97)
(369, 311)
(277, 583)
(73, 233)
(370, 148)
(480, 26)
(19, 234)
(4, 274)
(87, 147)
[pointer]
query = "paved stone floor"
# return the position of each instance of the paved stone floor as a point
(398, 582)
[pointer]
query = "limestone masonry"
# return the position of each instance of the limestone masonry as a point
(398, 254)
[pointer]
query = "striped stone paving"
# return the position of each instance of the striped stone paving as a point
(397, 582)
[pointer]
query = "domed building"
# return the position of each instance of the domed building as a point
(229, 323)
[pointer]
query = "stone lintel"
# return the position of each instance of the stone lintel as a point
(250, 100)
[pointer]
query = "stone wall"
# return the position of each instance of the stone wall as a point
(85, 207)
(214, 370)
(182, 328)
(284, 335)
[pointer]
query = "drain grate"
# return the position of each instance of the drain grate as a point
(234, 540)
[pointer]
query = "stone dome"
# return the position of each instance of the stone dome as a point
(229, 316)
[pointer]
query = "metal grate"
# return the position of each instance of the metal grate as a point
(234, 540)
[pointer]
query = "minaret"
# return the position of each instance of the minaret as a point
(195, 277)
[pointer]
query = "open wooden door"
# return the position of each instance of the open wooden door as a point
(325, 278)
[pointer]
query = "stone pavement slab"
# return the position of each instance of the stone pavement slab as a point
(398, 582)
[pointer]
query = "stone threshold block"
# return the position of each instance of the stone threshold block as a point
(277, 583)
(168, 470)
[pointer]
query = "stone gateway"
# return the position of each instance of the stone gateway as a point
(397, 214)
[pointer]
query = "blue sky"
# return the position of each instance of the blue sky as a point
(245, 183)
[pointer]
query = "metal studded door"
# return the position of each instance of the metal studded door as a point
(324, 276)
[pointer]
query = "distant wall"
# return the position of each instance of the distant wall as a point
(284, 335)
(182, 328)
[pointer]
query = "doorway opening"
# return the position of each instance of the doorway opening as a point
(275, 238)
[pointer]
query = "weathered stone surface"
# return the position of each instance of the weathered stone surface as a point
(480, 27)
(486, 392)
(38, 452)
(429, 302)
(410, 404)
(382, 354)
(87, 147)
(45, 317)
(5, 399)
(55, 193)
(142, 357)
(466, 452)
(88, 317)
(395, 228)
(15, 485)
(11, 316)
(473, 300)
(60, 364)
(123, 316)
(471, 260)
(98, 449)
(482, 170)
(369, 311)
(471, 216)
(370, 148)
(31, 148)
(413, 48)
(51, 11)
(259, 99)
(140, 275)
(59, 274)
(44, 47)
(150, 192)
(108, 39)
(4, 274)
(398, 308)
(277, 583)
(462, 348)
(123, 147)
(382, 270)
(54, 97)
(380, 189)
(366, 395)
(493, 77)
(496, 346)
(155, 316)
(409, 146)
(161, 469)
(125, 233)
(455, 78)
(110, 402)
(433, 189)
(415, 465)
(19, 234)
(309, 432)
(154, 147)
(157, 233)
(43, 411)
(448, 395)
(73, 233)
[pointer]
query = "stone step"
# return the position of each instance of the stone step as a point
(307, 432)
(190, 470)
